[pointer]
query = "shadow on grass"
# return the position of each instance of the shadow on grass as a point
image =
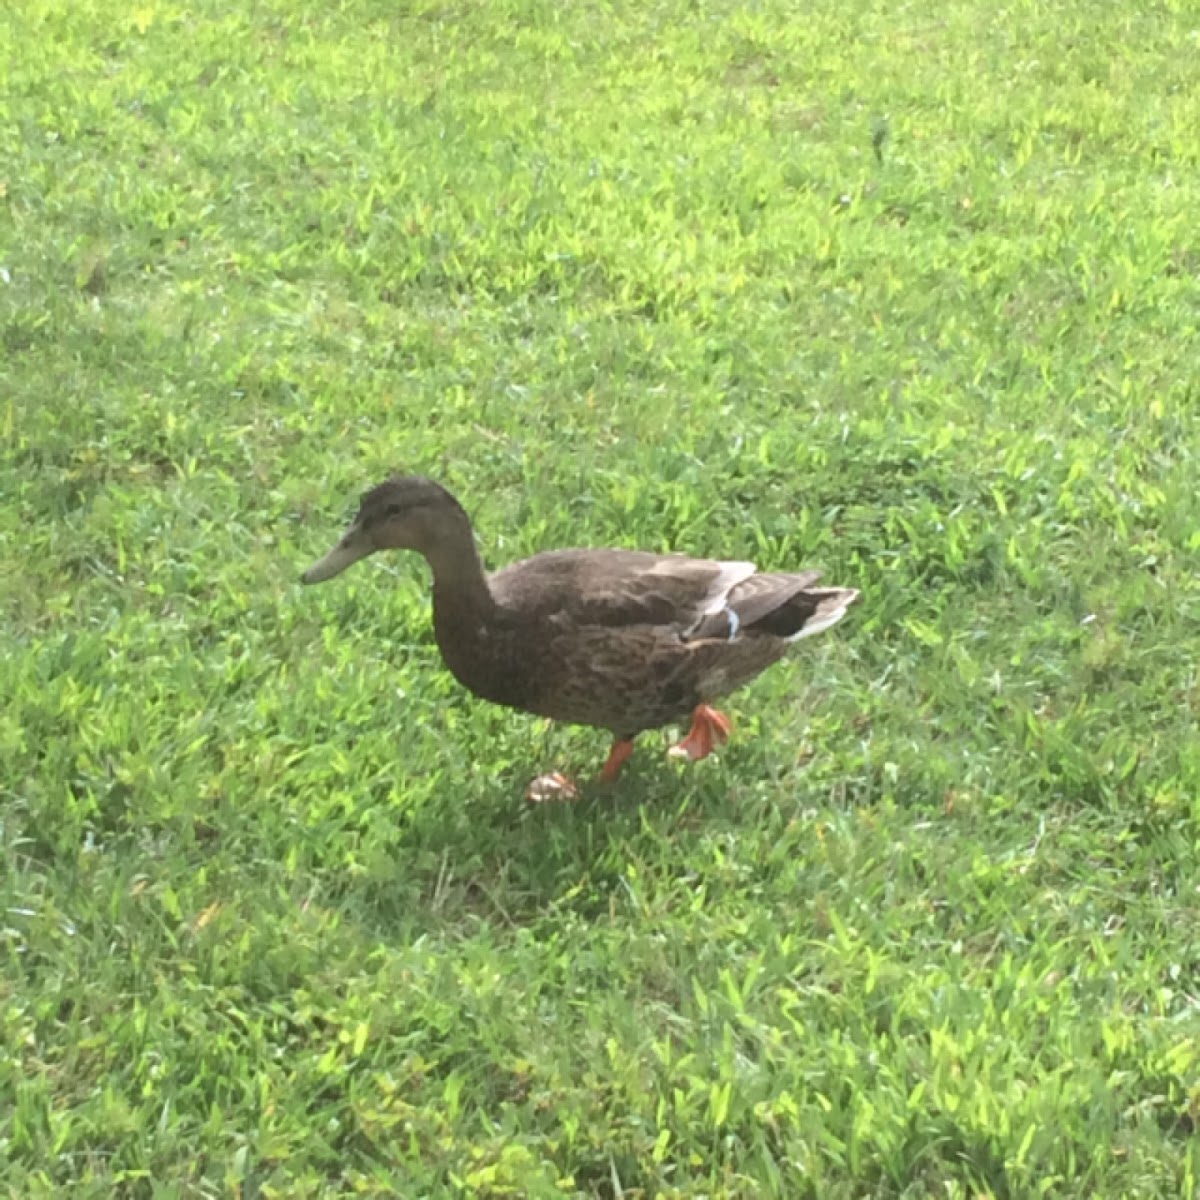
(497, 860)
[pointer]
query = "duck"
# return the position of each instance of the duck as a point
(617, 639)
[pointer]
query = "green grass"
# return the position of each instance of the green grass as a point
(276, 920)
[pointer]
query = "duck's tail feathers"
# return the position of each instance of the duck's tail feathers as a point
(830, 607)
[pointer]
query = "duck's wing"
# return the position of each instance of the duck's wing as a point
(619, 588)
(694, 599)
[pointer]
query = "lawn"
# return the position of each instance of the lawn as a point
(906, 292)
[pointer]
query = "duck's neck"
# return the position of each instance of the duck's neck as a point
(462, 600)
(473, 634)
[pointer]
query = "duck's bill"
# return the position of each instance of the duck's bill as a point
(347, 552)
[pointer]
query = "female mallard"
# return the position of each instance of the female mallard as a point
(619, 639)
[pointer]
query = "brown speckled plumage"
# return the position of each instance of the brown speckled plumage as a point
(619, 639)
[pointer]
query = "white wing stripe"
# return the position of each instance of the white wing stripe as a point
(730, 575)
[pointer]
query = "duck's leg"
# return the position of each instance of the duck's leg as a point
(618, 756)
(709, 728)
(557, 786)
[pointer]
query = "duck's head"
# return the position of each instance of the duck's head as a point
(402, 513)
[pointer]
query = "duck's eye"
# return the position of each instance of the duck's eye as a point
(393, 510)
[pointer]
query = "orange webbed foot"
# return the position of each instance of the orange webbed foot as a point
(547, 788)
(710, 728)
